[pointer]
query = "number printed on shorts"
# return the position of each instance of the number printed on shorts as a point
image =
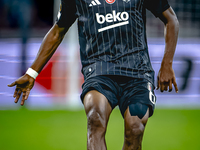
(152, 97)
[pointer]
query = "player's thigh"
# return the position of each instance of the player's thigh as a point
(96, 102)
(99, 96)
(138, 97)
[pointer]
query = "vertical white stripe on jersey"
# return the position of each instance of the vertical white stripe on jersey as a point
(95, 28)
(120, 39)
(109, 40)
(85, 33)
(141, 21)
(132, 34)
(115, 42)
(108, 36)
(95, 33)
(103, 45)
(103, 38)
(127, 39)
(137, 36)
(142, 27)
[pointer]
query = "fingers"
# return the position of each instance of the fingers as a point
(18, 94)
(165, 79)
(15, 93)
(25, 96)
(175, 85)
(162, 87)
(12, 84)
(22, 102)
(166, 86)
(170, 85)
(23, 85)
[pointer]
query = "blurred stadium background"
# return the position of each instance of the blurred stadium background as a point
(53, 117)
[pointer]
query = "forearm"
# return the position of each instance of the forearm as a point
(171, 36)
(49, 45)
(166, 76)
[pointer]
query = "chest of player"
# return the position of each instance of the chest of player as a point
(109, 10)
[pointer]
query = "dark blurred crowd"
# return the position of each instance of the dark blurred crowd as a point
(25, 13)
(39, 14)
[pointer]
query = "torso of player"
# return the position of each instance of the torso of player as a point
(112, 26)
(112, 38)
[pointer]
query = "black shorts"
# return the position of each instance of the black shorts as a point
(122, 91)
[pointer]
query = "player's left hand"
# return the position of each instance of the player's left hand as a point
(166, 78)
(23, 86)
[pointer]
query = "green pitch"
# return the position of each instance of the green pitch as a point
(168, 129)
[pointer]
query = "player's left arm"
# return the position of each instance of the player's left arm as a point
(166, 76)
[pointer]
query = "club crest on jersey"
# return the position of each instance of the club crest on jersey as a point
(110, 1)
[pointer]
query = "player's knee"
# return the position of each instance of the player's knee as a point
(136, 128)
(138, 109)
(96, 123)
(134, 133)
(135, 123)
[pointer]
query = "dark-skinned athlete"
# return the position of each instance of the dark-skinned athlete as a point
(115, 63)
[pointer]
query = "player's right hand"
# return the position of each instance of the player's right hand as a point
(23, 85)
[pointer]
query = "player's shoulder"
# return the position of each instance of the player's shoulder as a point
(155, 1)
(70, 4)
(69, 1)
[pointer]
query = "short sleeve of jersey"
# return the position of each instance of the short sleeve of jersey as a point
(67, 13)
(156, 6)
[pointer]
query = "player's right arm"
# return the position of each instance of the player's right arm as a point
(66, 17)
(161, 9)
(48, 47)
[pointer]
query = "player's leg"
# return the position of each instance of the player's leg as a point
(136, 105)
(98, 110)
(134, 129)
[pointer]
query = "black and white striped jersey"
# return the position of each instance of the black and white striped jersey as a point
(112, 35)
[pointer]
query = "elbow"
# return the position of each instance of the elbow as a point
(176, 25)
(56, 33)
(57, 36)
(176, 22)
(173, 24)
(170, 19)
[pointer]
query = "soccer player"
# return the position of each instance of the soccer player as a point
(115, 62)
